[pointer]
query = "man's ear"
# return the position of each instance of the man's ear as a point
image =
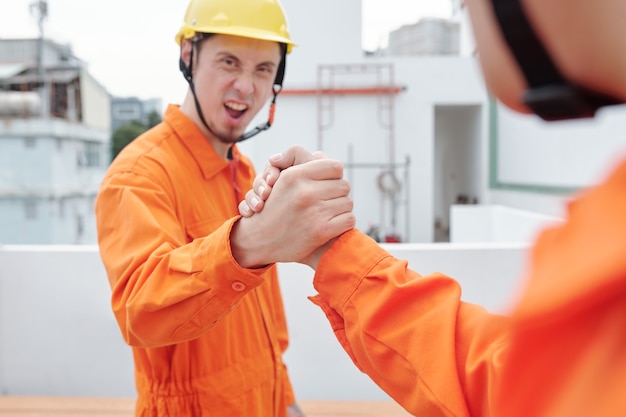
(185, 52)
(185, 58)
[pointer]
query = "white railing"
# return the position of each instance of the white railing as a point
(496, 223)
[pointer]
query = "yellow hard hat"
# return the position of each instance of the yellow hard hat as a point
(257, 19)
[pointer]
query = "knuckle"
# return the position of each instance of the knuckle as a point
(351, 222)
(338, 167)
(265, 192)
(291, 176)
(293, 151)
(345, 187)
(305, 198)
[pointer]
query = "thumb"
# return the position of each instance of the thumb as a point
(294, 155)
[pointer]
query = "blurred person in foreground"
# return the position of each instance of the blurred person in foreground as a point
(562, 349)
(194, 287)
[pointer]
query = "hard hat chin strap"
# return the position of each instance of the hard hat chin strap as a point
(276, 88)
(188, 74)
(260, 128)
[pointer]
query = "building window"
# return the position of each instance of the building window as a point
(80, 228)
(30, 209)
(92, 154)
(61, 208)
(127, 111)
(30, 142)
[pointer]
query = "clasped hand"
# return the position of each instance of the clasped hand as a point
(309, 208)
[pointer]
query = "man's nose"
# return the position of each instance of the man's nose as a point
(244, 84)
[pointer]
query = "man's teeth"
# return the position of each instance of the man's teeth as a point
(236, 106)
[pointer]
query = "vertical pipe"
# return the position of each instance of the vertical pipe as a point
(39, 8)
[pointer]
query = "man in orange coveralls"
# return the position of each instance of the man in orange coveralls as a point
(562, 351)
(193, 288)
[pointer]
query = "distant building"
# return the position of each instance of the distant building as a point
(429, 36)
(125, 110)
(54, 143)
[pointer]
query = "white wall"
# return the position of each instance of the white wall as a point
(541, 166)
(325, 31)
(493, 223)
(96, 104)
(538, 164)
(564, 154)
(429, 82)
(545, 203)
(58, 335)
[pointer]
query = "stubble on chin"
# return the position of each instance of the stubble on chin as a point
(227, 136)
(230, 137)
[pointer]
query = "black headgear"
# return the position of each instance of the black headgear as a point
(549, 94)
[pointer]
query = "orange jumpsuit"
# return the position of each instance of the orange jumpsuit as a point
(207, 335)
(560, 353)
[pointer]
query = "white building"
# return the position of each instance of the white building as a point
(54, 144)
(429, 36)
(429, 120)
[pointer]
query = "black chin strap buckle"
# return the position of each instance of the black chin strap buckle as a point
(555, 102)
(184, 69)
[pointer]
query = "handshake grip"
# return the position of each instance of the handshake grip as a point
(302, 204)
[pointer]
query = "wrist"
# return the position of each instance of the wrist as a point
(244, 247)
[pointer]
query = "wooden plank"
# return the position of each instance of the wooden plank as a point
(352, 409)
(18, 406)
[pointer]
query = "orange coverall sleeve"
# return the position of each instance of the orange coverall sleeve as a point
(165, 290)
(560, 353)
(432, 353)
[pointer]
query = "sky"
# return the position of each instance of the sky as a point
(128, 44)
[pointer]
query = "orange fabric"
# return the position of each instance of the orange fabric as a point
(561, 353)
(207, 335)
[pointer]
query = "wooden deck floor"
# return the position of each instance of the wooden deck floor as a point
(16, 406)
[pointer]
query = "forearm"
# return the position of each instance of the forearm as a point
(176, 293)
(411, 334)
